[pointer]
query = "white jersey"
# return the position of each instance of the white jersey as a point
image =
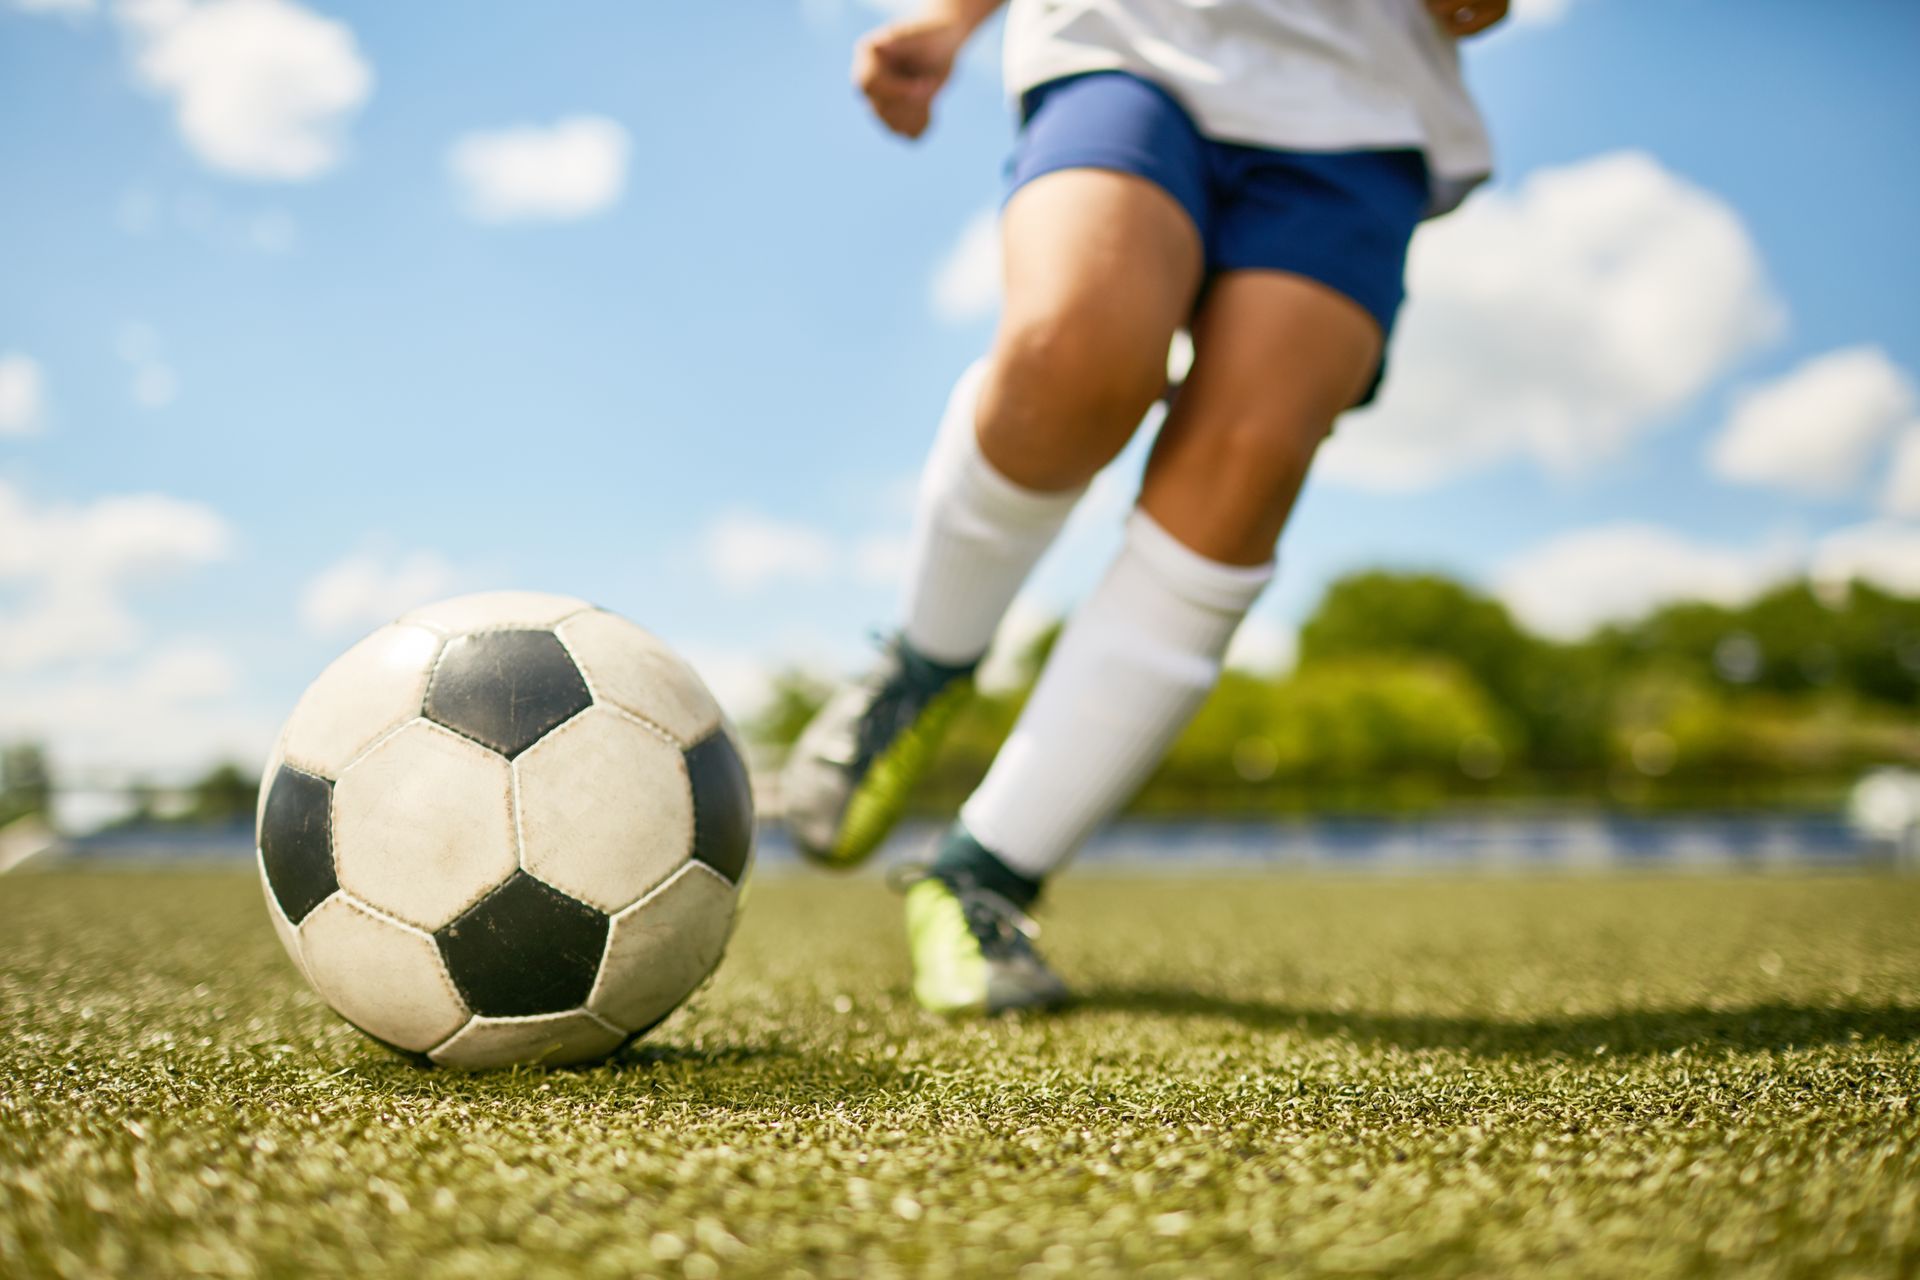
(1297, 75)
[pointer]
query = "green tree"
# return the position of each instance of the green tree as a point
(1356, 733)
(1554, 696)
(26, 781)
(227, 793)
(1879, 643)
(1413, 688)
(1381, 614)
(795, 698)
(1793, 640)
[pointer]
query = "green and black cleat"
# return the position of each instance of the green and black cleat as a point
(848, 777)
(973, 949)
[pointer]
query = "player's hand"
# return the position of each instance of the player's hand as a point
(900, 68)
(1466, 17)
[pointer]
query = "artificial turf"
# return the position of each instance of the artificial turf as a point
(1444, 1077)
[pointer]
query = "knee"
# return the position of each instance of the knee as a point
(1268, 451)
(1078, 374)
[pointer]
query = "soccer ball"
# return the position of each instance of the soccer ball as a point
(507, 828)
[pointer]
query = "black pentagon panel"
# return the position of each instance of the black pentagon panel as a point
(506, 689)
(722, 805)
(525, 948)
(296, 841)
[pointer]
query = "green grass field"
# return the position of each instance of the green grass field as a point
(1576, 1077)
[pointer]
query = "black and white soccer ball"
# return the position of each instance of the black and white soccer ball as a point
(507, 828)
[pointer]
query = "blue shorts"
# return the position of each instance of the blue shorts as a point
(1342, 218)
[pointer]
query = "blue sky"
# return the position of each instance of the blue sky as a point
(268, 372)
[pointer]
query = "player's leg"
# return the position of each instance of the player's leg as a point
(1100, 268)
(1277, 358)
(1281, 357)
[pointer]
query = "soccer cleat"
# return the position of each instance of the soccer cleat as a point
(848, 777)
(973, 949)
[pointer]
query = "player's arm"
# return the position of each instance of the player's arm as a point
(1466, 17)
(900, 67)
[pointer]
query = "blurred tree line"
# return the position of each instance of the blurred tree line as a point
(223, 794)
(1413, 691)
(26, 784)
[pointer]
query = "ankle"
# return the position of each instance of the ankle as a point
(930, 672)
(962, 857)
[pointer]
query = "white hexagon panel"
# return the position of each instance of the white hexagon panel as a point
(381, 976)
(496, 610)
(423, 825)
(627, 666)
(377, 685)
(606, 809)
(555, 1040)
(664, 946)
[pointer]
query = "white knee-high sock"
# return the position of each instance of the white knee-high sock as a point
(976, 537)
(1129, 671)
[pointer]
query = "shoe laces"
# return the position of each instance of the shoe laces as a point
(1001, 928)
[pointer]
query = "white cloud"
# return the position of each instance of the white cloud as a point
(63, 621)
(1558, 322)
(109, 539)
(65, 570)
(261, 88)
(1540, 13)
(1901, 497)
(369, 590)
(1885, 553)
(573, 169)
(164, 717)
(966, 285)
(746, 551)
(1615, 573)
(23, 396)
(77, 670)
(1815, 429)
(743, 682)
(1569, 585)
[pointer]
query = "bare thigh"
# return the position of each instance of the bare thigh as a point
(1099, 270)
(1277, 358)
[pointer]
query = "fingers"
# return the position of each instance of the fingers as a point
(900, 79)
(905, 118)
(902, 106)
